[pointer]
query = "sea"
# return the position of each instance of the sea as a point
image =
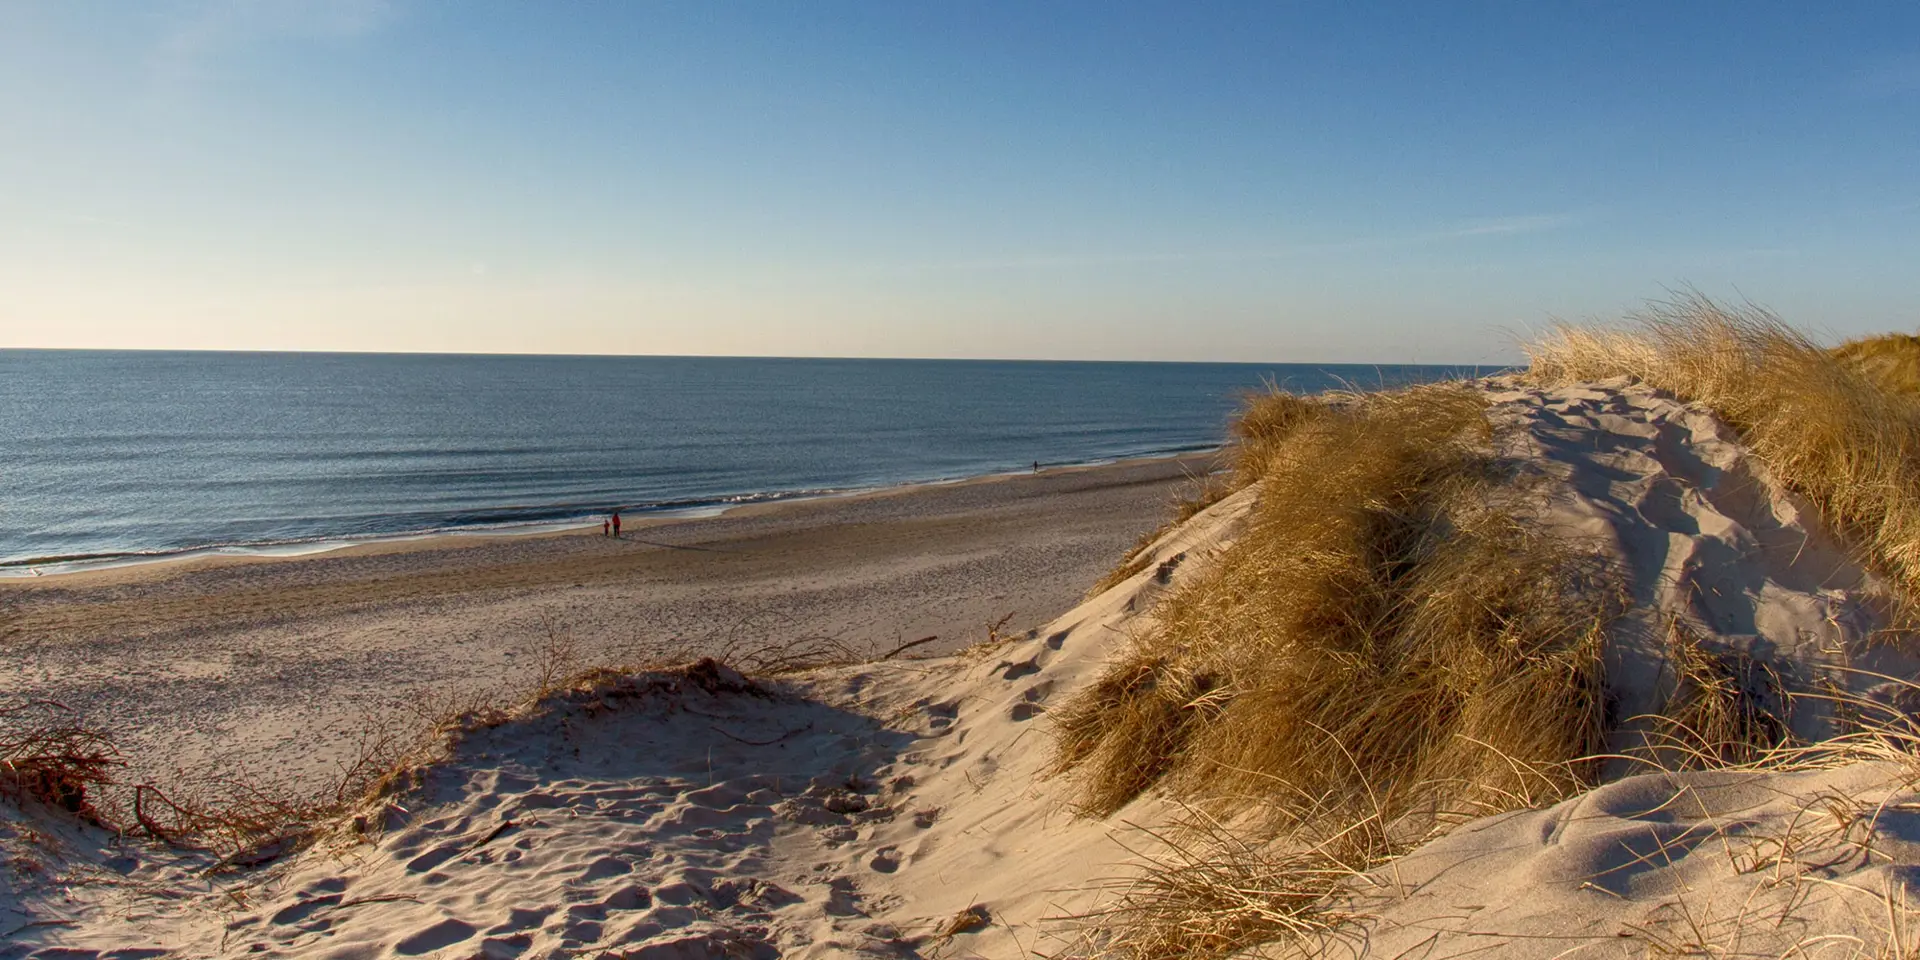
(111, 457)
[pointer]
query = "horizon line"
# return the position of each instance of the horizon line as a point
(743, 356)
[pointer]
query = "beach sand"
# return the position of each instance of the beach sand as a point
(275, 667)
(912, 808)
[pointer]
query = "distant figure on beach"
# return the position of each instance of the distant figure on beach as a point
(616, 523)
(1036, 466)
(605, 528)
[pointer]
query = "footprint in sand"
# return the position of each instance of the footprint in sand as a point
(303, 909)
(520, 919)
(606, 867)
(432, 858)
(444, 934)
(628, 898)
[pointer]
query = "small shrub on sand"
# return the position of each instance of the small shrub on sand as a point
(1823, 421)
(1385, 637)
(762, 645)
(48, 755)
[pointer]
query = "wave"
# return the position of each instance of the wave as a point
(508, 520)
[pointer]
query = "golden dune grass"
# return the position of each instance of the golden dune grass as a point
(1388, 646)
(1382, 638)
(1725, 710)
(1214, 892)
(1891, 359)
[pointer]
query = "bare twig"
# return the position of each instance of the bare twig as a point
(909, 645)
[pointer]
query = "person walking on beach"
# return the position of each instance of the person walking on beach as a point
(605, 529)
(616, 523)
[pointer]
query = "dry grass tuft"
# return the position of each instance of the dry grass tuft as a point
(1259, 432)
(1391, 645)
(1893, 360)
(1726, 710)
(973, 918)
(1797, 907)
(1385, 637)
(1212, 892)
(1265, 424)
(1823, 421)
(49, 756)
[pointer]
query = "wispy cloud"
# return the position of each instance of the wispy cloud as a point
(1462, 231)
(1505, 225)
(199, 33)
(1893, 76)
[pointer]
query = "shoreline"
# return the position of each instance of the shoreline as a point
(277, 664)
(447, 538)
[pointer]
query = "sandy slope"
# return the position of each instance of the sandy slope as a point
(856, 812)
(902, 808)
(1812, 864)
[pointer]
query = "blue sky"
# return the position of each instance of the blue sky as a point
(1278, 181)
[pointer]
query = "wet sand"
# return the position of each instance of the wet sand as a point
(276, 665)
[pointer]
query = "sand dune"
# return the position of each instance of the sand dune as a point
(905, 808)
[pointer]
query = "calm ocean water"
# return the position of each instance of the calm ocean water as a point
(112, 454)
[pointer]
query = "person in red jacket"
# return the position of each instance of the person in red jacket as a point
(616, 523)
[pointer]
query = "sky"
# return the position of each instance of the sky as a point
(1278, 182)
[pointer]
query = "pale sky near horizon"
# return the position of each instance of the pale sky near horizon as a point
(1313, 181)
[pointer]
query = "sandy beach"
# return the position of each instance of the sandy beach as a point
(276, 666)
(965, 805)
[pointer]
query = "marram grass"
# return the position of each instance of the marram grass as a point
(1380, 639)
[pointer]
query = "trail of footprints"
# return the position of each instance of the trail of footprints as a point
(516, 863)
(695, 825)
